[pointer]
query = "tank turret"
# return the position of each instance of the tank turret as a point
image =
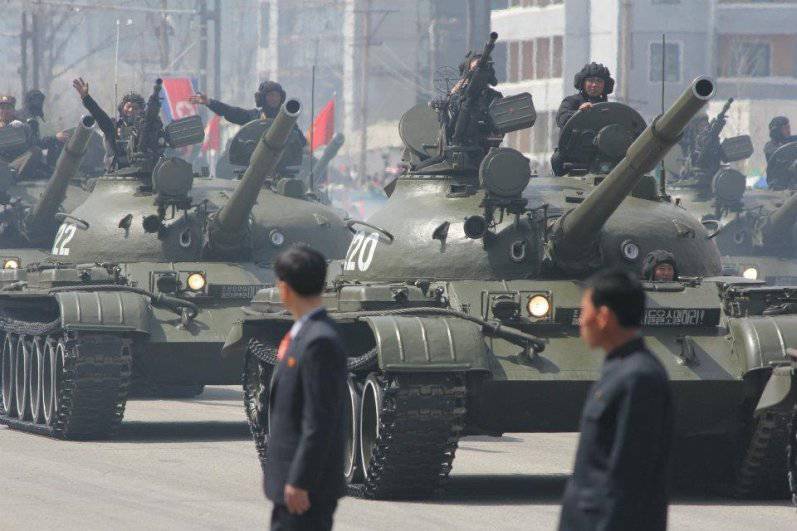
(578, 229)
(40, 221)
(779, 227)
(230, 223)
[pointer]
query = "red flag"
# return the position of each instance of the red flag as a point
(212, 135)
(176, 91)
(324, 126)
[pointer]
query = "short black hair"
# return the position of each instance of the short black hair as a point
(303, 268)
(622, 293)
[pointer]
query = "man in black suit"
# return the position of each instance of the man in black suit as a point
(303, 474)
(620, 477)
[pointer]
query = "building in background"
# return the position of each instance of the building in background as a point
(750, 47)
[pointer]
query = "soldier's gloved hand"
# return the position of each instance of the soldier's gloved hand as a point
(584, 106)
(81, 86)
(198, 99)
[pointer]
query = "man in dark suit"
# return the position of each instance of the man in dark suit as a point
(303, 474)
(620, 477)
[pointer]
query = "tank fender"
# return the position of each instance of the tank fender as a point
(761, 342)
(235, 342)
(104, 311)
(407, 343)
(780, 392)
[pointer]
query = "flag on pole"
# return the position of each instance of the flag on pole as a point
(212, 135)
(323, 126)
(175, 104)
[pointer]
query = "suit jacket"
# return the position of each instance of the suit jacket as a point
(620, 477)
(307, 415)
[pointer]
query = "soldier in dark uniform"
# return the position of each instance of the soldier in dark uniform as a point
(594, 83)
(28, 161)
(34, 111)
(659, 266)
(115, 131)
(619, 481)
(268, 99)
(779, 135)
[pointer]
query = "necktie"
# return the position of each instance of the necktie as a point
(283, 348)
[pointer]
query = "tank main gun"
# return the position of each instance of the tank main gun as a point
(779, 225)
(330, 152)
(42, 215)
(227, 227)
(574, 233)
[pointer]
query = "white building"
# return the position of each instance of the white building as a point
(750, 47)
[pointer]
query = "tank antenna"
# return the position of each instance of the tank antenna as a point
(662, 170)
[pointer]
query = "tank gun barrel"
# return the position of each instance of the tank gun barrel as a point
(781, 222)
(234, 214)
(582, 224)
(65, 169)
(330, 152)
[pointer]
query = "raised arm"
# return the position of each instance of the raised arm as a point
(104, 122)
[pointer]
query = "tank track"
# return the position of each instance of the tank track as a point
(256, 382)
(421, 419)
(92, 387)
(762, 471)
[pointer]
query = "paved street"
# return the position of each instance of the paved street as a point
(180, 464)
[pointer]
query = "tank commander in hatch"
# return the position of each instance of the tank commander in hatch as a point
(268, 99)
(779, 135)
(659, 266)
(114, 131)
(594, 83)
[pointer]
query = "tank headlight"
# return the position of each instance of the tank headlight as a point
(11, 263)
(630, 250)
(196, 282)
(750, 273)
(276, 238)
(538, 306)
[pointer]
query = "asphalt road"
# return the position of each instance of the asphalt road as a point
(180, 464)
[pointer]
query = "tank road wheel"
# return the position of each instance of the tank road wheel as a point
(52, 365)
(35, 379)
(409, 428)
(22, 390)
(256, 386)
(352, 468)
(9, 360)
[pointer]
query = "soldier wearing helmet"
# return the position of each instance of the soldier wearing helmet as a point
(269, 98)
(116, 132)
(659, 266)
(26, 157)
(594, 83)
(779, 134)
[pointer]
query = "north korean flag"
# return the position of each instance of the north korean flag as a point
(176, 91)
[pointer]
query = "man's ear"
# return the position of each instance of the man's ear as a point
(605, 317)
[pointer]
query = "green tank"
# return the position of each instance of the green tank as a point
(28, 225)
(459, 302)
(144, 280)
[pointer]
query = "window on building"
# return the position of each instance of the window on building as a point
(672, 62)
(748, 59)
(527, 65)
(513, 59)
(542, 64)
(557, 57)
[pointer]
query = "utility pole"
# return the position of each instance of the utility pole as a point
(626, 53)
(163, 38)
(35, 27)
(217, 48)
(203, 47)
(364, 78)
(23, 48)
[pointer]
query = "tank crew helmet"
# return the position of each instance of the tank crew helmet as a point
(133, 98)
(776, 127)
(8, 101)
(266, 87)
(492, 79)
(594, 70)
(34, 103)
(657, 258)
